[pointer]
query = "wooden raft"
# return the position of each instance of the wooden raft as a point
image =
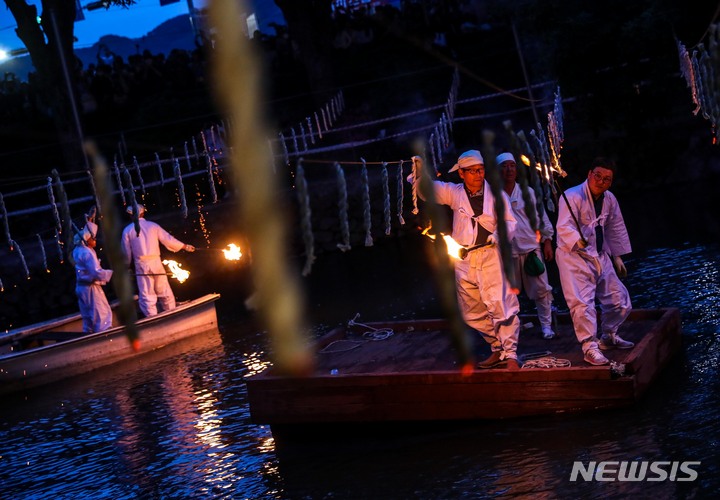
(414, 375)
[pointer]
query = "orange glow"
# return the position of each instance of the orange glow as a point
(136, 345)
(454, 249)
(467, 369)
(177, 272)
(233, 252)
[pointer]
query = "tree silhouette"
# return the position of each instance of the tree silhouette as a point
(48, 36)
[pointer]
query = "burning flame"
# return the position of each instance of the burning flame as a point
(454, 249)
(233, 252)
(179, 274)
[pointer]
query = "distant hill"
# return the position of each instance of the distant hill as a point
(175, 33)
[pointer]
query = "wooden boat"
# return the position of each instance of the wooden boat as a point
(413, 375)
(57, 349)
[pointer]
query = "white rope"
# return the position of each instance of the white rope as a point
(14, 243)
(160, 170)
(439, 144)
(310, 130)
(42, 252)
(415, 183)
(333, 110)
(204, 142)
(343, 208)
(305, 218)
(317, 123)
(294, 140)
(546, 362)
(372, 334)
(367, 219)
(324, 117)
(285, 149)
(195, 149)
(116, 170)
(304, 140)
(213, 138)
(351, 344)
(431, 142)
(59, 246)
(5, 221)
(94, 191)
(688, 72)
(386, 199)
(136, 166)
(187, 159)
(211, 178)
(400, 193)
(181, 189)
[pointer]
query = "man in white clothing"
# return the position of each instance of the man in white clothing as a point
(592, 237)
(144, 250)
(525, 242)
(89, 278)
(484, 295)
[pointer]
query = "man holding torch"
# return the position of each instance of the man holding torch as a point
(591, 238)
(143, 248)
(484, 295)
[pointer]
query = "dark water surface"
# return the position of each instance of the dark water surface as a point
(176, 424)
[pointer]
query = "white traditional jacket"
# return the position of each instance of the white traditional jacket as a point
(525, 240)
(615, 237)
(464, 231)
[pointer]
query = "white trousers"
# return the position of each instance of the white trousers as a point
(585, 280)
(153, 290)
(486, 302)
(94, 308)
(536, 288)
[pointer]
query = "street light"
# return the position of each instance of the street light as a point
(101, 4)
(7, 54)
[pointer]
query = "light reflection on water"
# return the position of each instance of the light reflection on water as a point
(178, 426)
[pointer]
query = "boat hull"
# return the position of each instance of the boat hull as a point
(76, 354)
